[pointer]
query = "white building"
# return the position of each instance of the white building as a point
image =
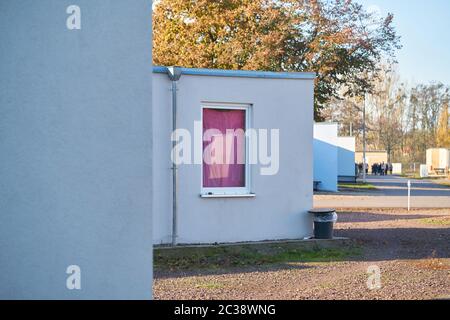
(438, 161)
(267, 200)
(75, 145)
(326, 156)
(334, 157)
(346, 159)
(397, 168)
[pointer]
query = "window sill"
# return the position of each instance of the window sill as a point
(212, 196)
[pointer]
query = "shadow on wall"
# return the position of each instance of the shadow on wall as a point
(346, 163)
(326, 165)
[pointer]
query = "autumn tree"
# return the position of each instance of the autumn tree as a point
(443, 130)
(227, 34)
(425, 107)
(387, 107)
(338, 40)
(348, 113)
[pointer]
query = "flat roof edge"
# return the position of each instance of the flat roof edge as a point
(326, 123)
(240, 73)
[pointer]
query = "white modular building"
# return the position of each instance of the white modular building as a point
(346, 159)
(438, 161)
(326, 156)
(397, 168)
(334, 157)
(221, 187)
(76, 162)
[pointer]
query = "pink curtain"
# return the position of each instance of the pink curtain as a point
(223, 150)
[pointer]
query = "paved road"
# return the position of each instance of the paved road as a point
(391, 193)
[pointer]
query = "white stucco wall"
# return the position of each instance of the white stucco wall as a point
(75, 149)
(326, 156)
(279, 210)
(346, 156)
(397, 168)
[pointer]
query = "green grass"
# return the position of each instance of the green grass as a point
(444, 183)
(418, 177)
(444, 221)
(220, 257)
(409, 175)
(357, 186)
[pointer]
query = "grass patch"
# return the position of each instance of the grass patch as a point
(444, 183)
(418, 177)
(220, 257)
(357, 186)
(444, 221)
(414, 176)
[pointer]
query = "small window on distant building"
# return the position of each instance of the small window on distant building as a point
(225, 168)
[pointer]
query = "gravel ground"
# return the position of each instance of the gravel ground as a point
(412, 251)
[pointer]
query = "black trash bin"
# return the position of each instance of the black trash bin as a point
(324, 220)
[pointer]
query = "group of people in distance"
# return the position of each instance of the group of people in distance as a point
(378, 169)
(382, 169)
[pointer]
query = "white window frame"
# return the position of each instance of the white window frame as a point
(237, 191)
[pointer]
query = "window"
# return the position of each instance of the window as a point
(225, 169)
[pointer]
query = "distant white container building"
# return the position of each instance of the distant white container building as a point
(438, 161)
(372, 157)
(397, 168)
(334, 157)
(326, 156)
(216, 203)
(346, 159)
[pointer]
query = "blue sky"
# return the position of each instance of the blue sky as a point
(424, 26)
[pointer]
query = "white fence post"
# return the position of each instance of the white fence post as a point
(409, 195)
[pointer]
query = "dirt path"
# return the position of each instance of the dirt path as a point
(412, 251)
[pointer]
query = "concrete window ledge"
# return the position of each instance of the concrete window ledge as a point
(214, 196)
